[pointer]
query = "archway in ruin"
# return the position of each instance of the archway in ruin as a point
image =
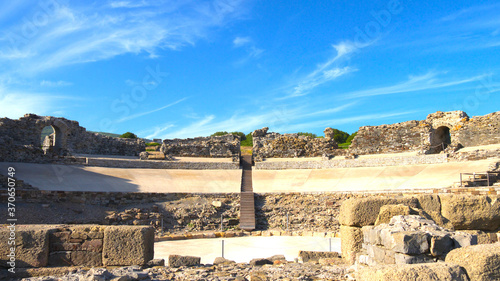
(50, 139)
(440, 139)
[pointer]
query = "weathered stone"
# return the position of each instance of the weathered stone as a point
(350, 242)
(411, 272)
(482, 262)
(306, 256)
(32, 245)
(256, 262)
(221, 260)
(178, 261)
(128, 245)
(61, 258)
(278, 258)
(441, 245)
(260, 132)
(156, 262)
(388, 211)
(84, 258)
(364, 211)
(471, 211)
(94, 245)
(400, 258)
(215, 146)
(408, 242)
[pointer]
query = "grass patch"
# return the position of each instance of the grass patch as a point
(152, 144)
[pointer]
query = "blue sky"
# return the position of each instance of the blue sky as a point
(167, 69)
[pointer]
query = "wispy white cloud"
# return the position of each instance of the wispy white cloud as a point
(134, 116)
(75, 34)
(428, 81)
(325, 72)
(48, 83)
(241, 41)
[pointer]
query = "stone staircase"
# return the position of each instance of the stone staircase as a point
(247, 205)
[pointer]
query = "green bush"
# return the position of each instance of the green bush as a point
(128, 135)
(223, 133)
(150, 149)
(307, 134)
(351, 137)
(248, 141)
(152, 144)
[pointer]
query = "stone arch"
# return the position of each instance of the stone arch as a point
(59, 139)
(440, 139)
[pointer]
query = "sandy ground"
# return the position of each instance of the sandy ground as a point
(243, 249)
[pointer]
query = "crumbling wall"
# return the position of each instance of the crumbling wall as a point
(275, 145)
(216, 147)
(429, 136)
(21, 138)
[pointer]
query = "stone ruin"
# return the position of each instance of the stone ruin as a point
(440, 131)
(410, 239)
(275, 145)
(227, 146)
(22, 137)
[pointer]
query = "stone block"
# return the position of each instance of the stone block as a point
(94, 245)
(256, 262)
(128, 245)
(32, 245)
(221, 260)
(408, 242)
(178, 261)
(380, 254)
(61, 258)
(471, 211)
(441, 245)
(84, 258)
(411, 259)
(482, 262)
(412, 272)
(462, 239)
(351, 242)
(388, 211)
(306, 256)
(364, 211)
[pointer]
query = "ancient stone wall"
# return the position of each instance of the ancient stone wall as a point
(440, 131)
(22, 138)
(79, 245)
(217, 147)
(275, 145)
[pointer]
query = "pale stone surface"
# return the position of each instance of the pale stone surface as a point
(350, 242)
(306, 256)
(126, 245)
(411, 272)
(388, 211)
(471, 212)
(482, 262)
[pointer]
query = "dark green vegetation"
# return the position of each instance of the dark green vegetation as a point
(152, 144)
(307, 134)
(128, 135)
(45, 132)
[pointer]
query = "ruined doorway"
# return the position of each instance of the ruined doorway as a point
(440, 139)
(50, 139)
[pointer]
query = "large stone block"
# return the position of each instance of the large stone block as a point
(412, 272)
(31, 245)
(178, 261)
(128, 245)
(306, 256)
(471, 211)
(351, 242)
(407, 242)
(364, 211)
(482, 262)
(388, 211)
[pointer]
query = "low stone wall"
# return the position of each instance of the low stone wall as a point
(459, 212)
(353, 163)
(22, 138)
(216, 147)
(275, 145)
(77, 245)
(159, 164)
(455, 129)
(105, 198)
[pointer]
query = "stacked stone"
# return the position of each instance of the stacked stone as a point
(275, 145)
(136, 216)
(217, 147)
(410, 239)
(78, 245)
